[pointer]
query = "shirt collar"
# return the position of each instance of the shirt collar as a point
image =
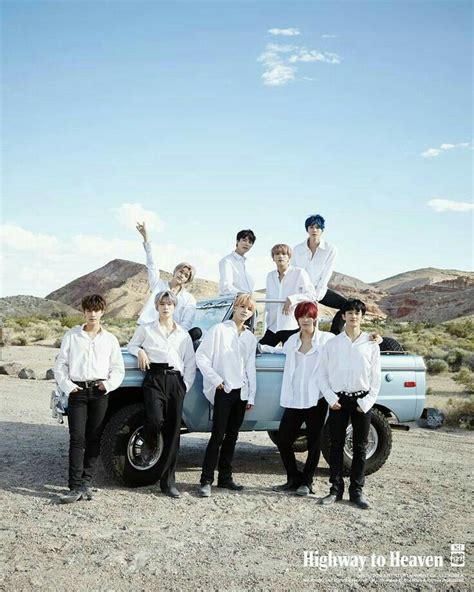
(238, 257)
(314, 341)
(322, 244)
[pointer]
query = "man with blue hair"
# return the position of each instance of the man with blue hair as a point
(317, 257)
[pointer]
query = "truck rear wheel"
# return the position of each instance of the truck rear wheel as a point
(121, 445)
(378, 449)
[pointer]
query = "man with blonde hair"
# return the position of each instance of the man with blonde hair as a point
(226, 358)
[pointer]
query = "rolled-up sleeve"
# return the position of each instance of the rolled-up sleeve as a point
(367, 402)
(61, 366)
(117, 368)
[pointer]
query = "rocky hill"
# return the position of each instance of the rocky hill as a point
(23, 306)
(419, 278)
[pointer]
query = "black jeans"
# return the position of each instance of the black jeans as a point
(274, 339)
(163, 395)
(335, 300)
(229, 411)
(86, 412)
(290, 425)
(338, 421)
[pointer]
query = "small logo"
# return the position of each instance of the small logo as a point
(458, 555)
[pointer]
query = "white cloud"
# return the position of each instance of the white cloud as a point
(447, 205)
(129, 214)
(290, 32)
(327, 36)
(279, 62)
(18, 238)
(432, 152)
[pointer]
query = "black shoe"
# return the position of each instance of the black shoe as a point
(87, 492)
(230, 484)
(330, 499)
(360, 501)
(204, 490)
(288, 486)
(74, 495)
(172, 492)
(304, 490)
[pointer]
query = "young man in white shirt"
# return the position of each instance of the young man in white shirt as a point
(183, 275)
(301, 398)
(165, 351)
(317, 257)
(233, 276)
(226, 358)
(288, 283)
(88, 367)
(350, 379)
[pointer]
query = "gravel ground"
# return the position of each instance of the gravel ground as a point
(137, 539)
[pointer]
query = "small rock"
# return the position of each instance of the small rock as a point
(466, 422)
(10, 368)
(49, 374)
(27, 373)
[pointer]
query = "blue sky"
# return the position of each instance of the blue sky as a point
(207, 117)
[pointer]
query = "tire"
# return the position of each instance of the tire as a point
(299, 445)
(391, 345)
(380, 444)
(120, 449)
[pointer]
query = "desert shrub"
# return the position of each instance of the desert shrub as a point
(58, 342)
(40, 334)
(436, 353)
(71, 321)
(460, 328)
(466, 377)
(20, 340)
(459, 409)
(437, 366)
(455, 359)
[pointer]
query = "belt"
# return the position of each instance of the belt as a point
(88, 384)
(163, 369)
(355, 395)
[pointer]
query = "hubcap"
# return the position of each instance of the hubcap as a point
(373, 442)
(134, 451)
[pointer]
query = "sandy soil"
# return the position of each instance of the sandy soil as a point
(255, 540)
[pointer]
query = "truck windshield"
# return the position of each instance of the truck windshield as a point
(208, 316)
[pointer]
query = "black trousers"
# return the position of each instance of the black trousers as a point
(290, 425)
(274, 339)
(86, 412)
(163, 395)
(229, 411)
(338, 421)
(335, 300)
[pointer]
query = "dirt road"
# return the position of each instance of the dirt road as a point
(255, 540)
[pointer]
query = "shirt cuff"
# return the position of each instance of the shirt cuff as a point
(366, 403)
(331, 398)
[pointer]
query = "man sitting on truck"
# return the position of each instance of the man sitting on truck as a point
(350, 379)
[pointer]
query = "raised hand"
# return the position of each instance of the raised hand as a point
(142, 230)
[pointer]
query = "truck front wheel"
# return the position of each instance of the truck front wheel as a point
(121, 445)
(378, 449)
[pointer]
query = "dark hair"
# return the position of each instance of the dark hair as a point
(246, 234)
(93, 302)
(306, 309)
(354, 304)
(315, 219)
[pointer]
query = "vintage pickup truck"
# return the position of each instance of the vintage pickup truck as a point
(402, 399)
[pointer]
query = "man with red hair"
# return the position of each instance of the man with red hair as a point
(301, 398)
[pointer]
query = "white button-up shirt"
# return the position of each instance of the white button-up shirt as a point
(176, 349)
(351, 366)
(319, 266)
(82, 359)
(294, 285)
(185, 310)
(300, 385)
(226, 357)
(233, 277)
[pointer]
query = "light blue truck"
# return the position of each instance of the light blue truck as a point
(401, 399)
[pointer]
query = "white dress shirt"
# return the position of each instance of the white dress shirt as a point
(81, 359)
(294, 285)
(233, 277)
(319, 266)
(351, 366)
(176, 349)
(185, 310)
(300, 385)
(226, 357)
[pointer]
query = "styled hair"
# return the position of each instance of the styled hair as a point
(186, 265)
(245, 300)
(281, 248)
(306, 309)
(315, 219)
(354, 304)
(93, 302)
(246, 234)
(166, 294)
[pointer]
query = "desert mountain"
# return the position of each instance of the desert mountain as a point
(23, 306)
(125, 287)
(419, 278)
